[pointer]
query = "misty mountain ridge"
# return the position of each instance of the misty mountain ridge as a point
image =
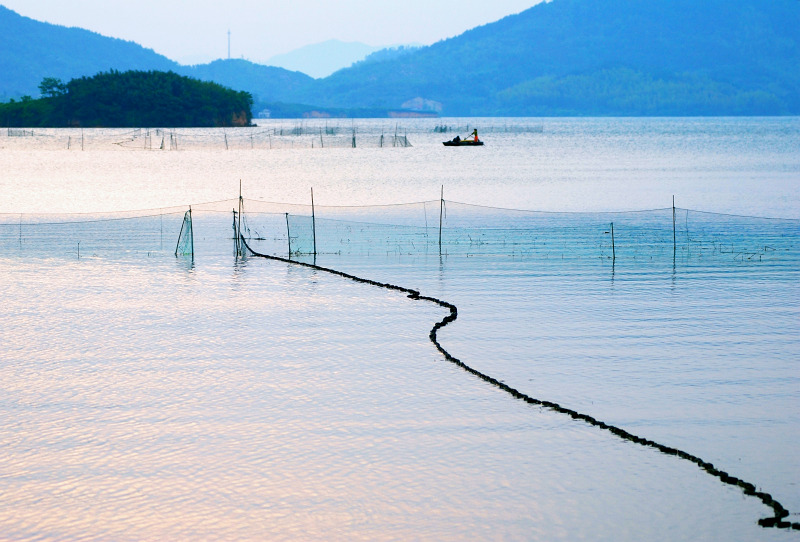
(322, 59)
(597, 57)
(563, 57)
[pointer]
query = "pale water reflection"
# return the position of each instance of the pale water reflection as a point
(151, 397)
(262, 401)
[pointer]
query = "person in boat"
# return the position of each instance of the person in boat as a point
(475, 135)
(457, 139)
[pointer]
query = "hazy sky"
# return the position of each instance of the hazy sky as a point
(194, 31)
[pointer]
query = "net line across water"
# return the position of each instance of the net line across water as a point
(436, 227)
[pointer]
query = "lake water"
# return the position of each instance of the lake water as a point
(148, 396)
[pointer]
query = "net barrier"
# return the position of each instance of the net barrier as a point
(437, 227)
(779, 513)
(200, 139)
(150, 233)
(460, 229)
(267, 135)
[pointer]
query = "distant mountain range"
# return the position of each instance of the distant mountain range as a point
(322, 59)
(564, 57)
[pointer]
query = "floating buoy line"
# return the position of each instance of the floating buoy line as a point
(779, 513)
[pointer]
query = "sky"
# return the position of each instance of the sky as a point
(196, 31)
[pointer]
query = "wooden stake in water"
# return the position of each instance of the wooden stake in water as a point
(288, 235)
(613, 248)
(313, 222)
(441, 209)
(239, 251)
(191, 231)
(674, 239)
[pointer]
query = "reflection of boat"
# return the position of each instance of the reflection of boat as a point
(462, 143)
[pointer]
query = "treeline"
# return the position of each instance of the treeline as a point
(130, 99)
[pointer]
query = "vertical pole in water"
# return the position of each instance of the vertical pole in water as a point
(239, 223)
(674, 240)
(321, 142)
(81, 138)
(613, 248)
(313, 222)
(441, 208)
(288, 235)
(79, 250)
(226, 141)
(191, 231)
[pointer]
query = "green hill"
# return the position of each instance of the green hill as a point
(267, 84)
(31, 50)
(130, 99)
(597, 57)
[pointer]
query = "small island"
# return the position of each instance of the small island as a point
(127, 100)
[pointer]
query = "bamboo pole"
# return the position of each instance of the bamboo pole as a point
(674, 238)
(613, 247)
(288, 235)
(239, 222)
(441, 209)
(313, 222)
(191, 231)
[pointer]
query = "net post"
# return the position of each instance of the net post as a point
(441, 208)
(613, 247)
(674, 238)
(288, 235)
(191, 232)
(313, 222)
(239, 251)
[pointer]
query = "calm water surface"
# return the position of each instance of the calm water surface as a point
(147, 397)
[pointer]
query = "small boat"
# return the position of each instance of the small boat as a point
(462, 143)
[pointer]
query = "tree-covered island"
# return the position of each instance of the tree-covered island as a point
(129, 99)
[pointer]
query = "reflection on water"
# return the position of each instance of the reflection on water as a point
(151, 397)
(256, 400)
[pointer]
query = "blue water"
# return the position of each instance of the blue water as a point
(146, 396)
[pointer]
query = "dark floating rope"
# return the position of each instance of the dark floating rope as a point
(779, 512)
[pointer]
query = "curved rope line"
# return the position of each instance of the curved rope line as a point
(779, 512)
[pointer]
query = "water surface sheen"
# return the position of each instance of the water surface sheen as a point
(146, 396)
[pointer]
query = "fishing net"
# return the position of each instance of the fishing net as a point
(185, 246)
(452, 229)
(438, 227)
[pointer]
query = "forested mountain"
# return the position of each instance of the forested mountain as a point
(130, 99)
(32, 50)
(597, 57)
(266, 83)
(563, 57)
